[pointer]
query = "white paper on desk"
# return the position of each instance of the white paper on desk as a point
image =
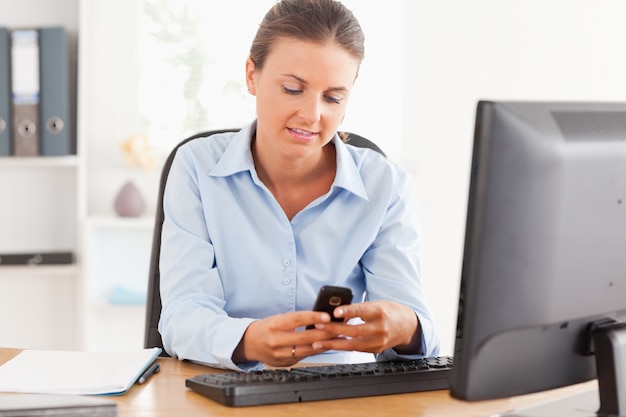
(75, 372)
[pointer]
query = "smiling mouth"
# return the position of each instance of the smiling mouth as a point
(302, 134)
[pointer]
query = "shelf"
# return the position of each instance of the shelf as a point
(100, 305)
(112, 221)
(39, 161)
(51, 271)
(117, 256)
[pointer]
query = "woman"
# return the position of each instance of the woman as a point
(256, 222)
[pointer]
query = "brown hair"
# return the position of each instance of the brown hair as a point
(308, 20)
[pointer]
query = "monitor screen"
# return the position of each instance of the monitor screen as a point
(544, 261)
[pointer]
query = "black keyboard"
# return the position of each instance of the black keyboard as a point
(325, 382)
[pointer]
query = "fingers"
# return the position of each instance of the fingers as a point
(297, 319)
(295, 347)
(349, 337)
(299, 352)
(366, 311)
(276, 342)
(370, 336)
(386, 325)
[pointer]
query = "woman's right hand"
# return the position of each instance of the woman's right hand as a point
(275, 340)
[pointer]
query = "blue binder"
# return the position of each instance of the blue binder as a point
(54, 107)
(5, 94)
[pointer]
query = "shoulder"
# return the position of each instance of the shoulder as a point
(206, 148)
(222, 153)
(376, 169)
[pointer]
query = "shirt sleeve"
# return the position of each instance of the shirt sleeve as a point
(392, 265)
(193, 324)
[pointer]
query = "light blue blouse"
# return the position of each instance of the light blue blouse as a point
(230, 255)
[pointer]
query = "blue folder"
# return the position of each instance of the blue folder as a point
(5, 94)
(56, 132)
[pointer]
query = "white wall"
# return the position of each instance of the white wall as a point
(110, 67)
(460, 51)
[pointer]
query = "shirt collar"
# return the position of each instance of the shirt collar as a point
(348, 176)
(238, 158)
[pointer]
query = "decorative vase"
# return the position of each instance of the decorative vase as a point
(129, 201)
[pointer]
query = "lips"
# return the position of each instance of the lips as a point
(302, 134)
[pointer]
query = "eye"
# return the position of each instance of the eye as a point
(332, 99)
(292, 91)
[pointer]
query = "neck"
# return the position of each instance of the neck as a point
(295, 183)
(276, 169)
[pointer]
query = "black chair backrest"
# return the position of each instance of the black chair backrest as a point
(152, 337)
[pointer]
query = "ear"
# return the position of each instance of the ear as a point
(251, 76)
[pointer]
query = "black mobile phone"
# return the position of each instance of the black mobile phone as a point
(329, 298)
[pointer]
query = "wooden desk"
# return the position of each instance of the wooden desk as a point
(165, 394)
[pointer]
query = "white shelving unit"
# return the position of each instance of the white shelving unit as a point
(115, 272)
(70, 161)
(37, 306)
(38, 213)
(38, 303)
(116, 251)
(66, 203)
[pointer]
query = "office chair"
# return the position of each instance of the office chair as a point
(152, 337)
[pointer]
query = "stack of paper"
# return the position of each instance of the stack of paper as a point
(44, 405)
(75, 372)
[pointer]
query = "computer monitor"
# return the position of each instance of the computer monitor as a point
(543, 284)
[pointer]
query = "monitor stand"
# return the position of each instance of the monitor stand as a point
(609, 399)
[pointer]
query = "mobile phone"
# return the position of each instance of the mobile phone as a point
(329, 298)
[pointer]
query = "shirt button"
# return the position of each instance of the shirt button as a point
(286, 262)
(286, 280)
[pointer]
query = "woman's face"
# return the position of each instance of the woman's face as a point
(301, 95)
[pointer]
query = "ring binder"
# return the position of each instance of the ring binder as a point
(5, 94)
(54, 104)
(25, 90)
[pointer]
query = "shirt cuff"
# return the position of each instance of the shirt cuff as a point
(429, 344)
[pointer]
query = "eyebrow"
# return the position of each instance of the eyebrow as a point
(303, 81)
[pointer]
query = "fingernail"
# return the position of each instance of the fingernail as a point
(320, 326)
(317, 346)
(338, 312)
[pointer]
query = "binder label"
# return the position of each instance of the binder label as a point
(25, 66)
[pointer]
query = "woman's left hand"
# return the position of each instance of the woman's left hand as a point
(387, 324)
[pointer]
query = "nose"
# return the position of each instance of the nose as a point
(311, 110)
